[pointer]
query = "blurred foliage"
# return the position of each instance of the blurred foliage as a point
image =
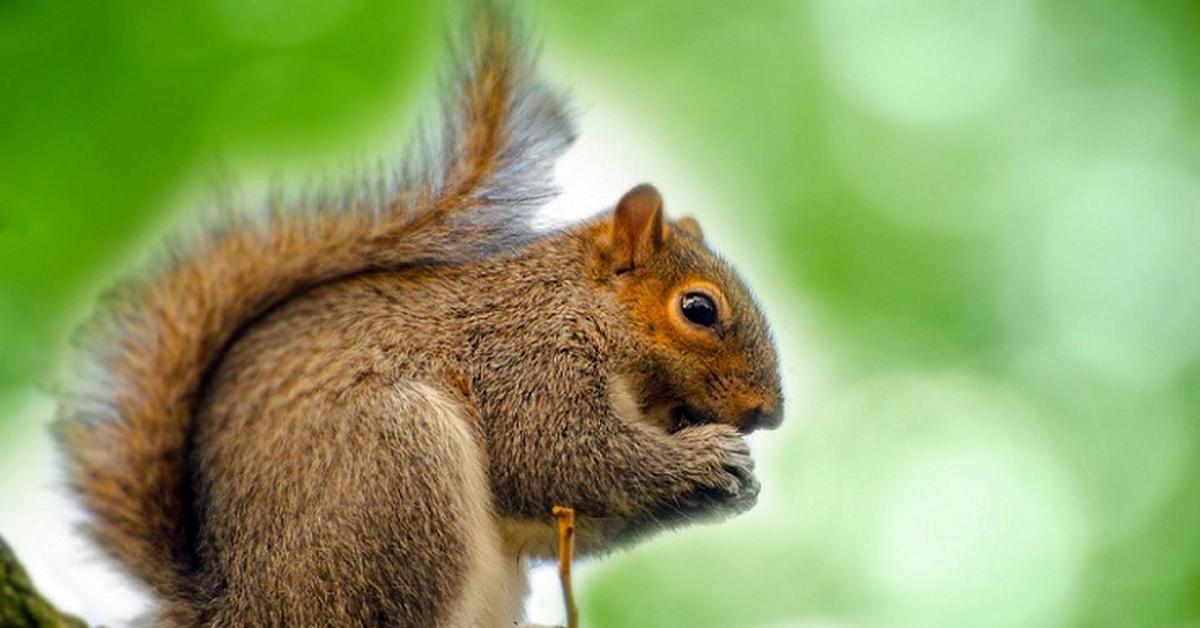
(109, 109)
(983, 219)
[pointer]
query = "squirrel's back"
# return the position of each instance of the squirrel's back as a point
(126, 423)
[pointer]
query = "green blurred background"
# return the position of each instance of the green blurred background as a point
(974, 223)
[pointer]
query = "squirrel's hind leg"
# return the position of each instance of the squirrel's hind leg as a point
(382, 516)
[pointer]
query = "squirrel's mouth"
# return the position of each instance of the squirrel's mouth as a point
(685, 415)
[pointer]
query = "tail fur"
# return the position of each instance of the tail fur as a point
(124, 427)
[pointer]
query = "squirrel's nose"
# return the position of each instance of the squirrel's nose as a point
(758, 417)
(750, 420)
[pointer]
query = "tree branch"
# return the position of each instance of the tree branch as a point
(21, 606)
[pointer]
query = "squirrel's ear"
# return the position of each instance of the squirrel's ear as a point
(688, 225)
(638, 229)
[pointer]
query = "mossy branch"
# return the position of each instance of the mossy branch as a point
(21, 606)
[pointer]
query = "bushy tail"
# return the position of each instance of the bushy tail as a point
(124, 427)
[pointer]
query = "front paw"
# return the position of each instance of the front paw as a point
(720, 478)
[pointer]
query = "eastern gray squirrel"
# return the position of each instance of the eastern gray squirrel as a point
(362, 413)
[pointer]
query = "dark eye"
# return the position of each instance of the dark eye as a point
(699, 308)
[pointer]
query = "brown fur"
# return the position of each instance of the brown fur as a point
(364, 416)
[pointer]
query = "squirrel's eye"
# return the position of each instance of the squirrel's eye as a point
(699, 308)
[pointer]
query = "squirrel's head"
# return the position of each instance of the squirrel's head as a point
(704, 349)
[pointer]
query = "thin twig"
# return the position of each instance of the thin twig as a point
(565, 517)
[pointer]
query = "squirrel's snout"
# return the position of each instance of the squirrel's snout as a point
(760, 417)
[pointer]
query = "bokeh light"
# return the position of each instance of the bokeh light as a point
(934, 63)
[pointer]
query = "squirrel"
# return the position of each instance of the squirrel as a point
(362, 413)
